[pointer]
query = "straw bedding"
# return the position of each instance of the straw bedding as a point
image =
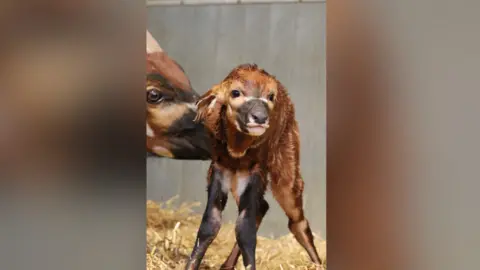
(171, 233)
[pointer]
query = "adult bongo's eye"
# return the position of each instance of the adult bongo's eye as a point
(154, 96)
(271, 97)
(235, 93)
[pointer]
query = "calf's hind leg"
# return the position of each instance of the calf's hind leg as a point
(291, 200)
(212, 218)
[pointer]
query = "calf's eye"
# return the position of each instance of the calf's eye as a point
(235, 93)
(271, 97)
(154, 96)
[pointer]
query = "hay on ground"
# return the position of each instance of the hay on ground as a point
(171, 233)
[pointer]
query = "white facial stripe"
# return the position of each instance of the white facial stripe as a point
(151, 88)
(252, 98)
(150, 132)
(242, 182)
(264, 100)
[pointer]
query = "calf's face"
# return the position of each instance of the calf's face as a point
(250, 100)
(249, 94)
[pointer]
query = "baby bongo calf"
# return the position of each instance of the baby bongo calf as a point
(251, 121)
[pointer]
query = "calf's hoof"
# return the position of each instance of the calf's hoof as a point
(190, 266)
(227, 267)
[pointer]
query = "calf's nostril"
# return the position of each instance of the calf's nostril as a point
(259, 118)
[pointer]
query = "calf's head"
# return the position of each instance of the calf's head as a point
(249, 95)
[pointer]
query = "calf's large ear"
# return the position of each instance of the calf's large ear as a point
(209, 101)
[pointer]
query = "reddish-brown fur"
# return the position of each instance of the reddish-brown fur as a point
(275, 153)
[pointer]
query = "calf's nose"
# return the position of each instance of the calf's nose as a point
(259, 116)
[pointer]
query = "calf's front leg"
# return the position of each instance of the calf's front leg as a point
(212, 217)
(246, 226)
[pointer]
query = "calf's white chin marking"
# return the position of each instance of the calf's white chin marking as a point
(256, 131)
